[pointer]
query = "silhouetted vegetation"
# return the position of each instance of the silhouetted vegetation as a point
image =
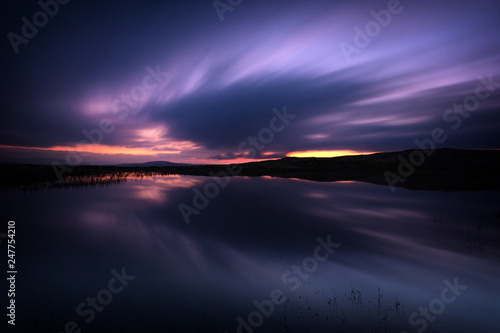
(444, 170)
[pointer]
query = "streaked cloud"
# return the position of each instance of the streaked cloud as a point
(224, 78)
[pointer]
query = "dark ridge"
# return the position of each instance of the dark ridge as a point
(443, 170)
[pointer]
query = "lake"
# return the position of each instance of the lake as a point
(265, 255)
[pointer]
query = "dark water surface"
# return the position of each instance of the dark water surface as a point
(392, 256)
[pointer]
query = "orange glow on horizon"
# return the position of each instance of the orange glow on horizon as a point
(180, 155)
(269, 153)
(239, 160)
(153, 152)
(100, 149)
(327, 153)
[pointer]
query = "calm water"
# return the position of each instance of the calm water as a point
(393, 254)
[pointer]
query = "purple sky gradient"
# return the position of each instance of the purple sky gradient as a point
(225, 78)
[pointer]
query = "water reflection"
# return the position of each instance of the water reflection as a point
(395, 253)
(157, 191)
(84, 181)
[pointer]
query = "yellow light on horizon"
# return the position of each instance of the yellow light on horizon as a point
(326, 153)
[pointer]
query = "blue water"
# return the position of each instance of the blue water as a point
(392, 256)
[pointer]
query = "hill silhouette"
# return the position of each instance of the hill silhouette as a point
(443, 170)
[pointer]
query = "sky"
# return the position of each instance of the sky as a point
(231, 81)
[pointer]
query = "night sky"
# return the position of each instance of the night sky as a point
(184, 81)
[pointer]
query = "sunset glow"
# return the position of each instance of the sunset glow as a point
(101, 149)
(182, 166)
(196, 96)
(326, 153)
